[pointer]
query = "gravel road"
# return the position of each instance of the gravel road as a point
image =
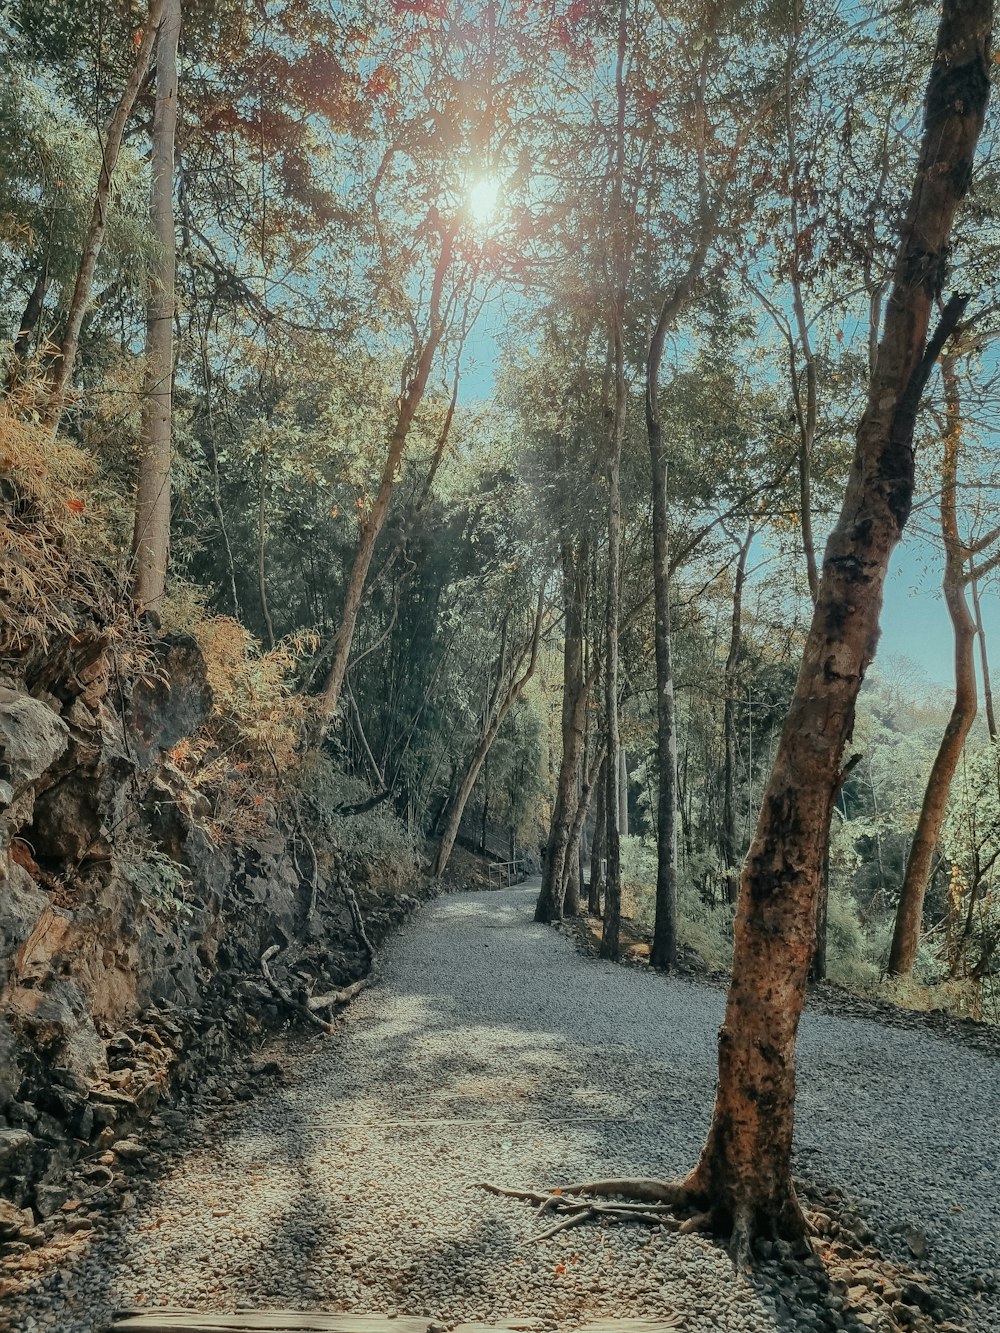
(490, 1049)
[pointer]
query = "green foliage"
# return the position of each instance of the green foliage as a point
(49, 163)
(703, 927)
(162, 883)
(376, 837)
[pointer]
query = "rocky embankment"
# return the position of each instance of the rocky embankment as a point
(131, 933)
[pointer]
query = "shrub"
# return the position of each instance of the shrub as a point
(702, 927)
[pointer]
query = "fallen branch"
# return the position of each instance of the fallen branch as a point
(283, 996)
(343, 996)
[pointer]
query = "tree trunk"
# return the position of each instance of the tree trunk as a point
(550, 905)
(30, 320)
(574, 852)
(744, 1176)
(595, 886)
(730, 829)
(623, 792)
(484, 826)
(571, 884)
(664, 950)
(610, 939)
(151, 536)
(372, 525)
(94, 240)
(984, 662)
(909, 913)
(485, 744)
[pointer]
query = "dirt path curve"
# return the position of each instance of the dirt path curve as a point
(490, 1049)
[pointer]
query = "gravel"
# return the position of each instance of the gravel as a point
(490, 1049)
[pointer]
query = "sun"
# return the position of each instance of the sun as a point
(484, 197)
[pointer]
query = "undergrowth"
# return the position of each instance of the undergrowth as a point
(856, 948)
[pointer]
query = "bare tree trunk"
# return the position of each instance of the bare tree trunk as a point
(265, 608)
(484, 825)
(984, 662)
(550, 905)
(910, 911)
(29, 322)
(572, 884)
(730, 830)
(485, 744)
(372, 525)
(743, 1178)
(595, 885)
(574, 852)
(151, 537)
(94, 240)
(664, 949)
(610, 939)
(623, 792)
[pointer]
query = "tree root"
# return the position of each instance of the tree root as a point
(655, 1202)
(335, 997)
(283, 995)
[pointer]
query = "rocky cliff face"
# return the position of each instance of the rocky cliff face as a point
(130, 939)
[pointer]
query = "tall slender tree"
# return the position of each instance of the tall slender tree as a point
(151, 537)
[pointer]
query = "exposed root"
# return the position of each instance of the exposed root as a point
(283, 995)
(671, 1192)
(343, 996)
(696, 1222)
(573, 1220)
(654, 1202)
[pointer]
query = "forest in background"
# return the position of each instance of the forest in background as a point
(233, 408)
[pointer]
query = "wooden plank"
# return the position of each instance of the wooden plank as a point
(667, 1324)
(260, 1321)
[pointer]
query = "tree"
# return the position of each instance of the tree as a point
(965, 562)
(515, 667)
(111, 147)
(151, 538)
(742, 1184)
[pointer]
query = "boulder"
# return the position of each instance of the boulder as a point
(171, 704)
(13, 1144)
(32, 738)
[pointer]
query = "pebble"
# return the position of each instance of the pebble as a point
(350, 1181)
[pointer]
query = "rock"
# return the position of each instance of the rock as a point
(13, 1221)
(174, 702)
(916, 1293)
(32, 738)
(128, 1150)
(96, 1173)
(13, 1142)
(50, 1008)
(916, 1241)
(49, 1199)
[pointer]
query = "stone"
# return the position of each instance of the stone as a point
(916, 1241)
(32, 738)
(13, 1143)
(128, 1150)
(49, 1199)
(171, 704)
(13, 1221)
(916, 1293)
